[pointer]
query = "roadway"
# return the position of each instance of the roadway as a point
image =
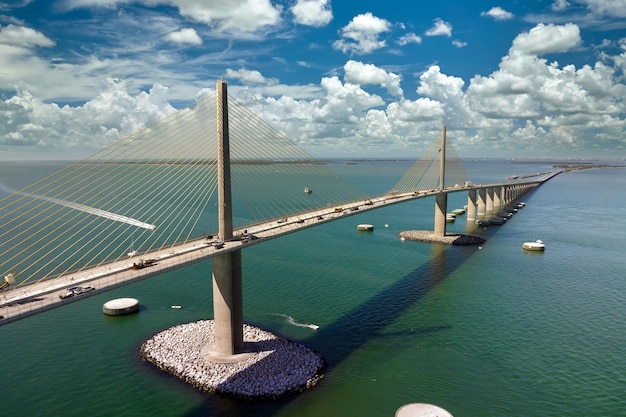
(22, 301)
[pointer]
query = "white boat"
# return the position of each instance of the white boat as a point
(132, 252)
(365, 227)
(177, 307)
(537, 246)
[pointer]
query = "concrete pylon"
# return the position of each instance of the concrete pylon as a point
(227, 273)
(471, 205)
(441, 200)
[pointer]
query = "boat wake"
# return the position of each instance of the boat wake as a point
(293, 322)
(83, 208)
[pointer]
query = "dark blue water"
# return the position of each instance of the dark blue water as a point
(480, 331)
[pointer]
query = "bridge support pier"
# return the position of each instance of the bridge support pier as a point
(441, 207)
(227, 285)
(489, 209)
(482, 203)
(441, 201)
(471, 205)
(228, 304)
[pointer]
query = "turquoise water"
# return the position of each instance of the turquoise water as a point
(480, 331)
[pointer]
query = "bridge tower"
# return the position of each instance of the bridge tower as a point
(441, 201)
(227, 272)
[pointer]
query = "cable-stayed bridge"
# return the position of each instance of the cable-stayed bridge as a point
(189, 187)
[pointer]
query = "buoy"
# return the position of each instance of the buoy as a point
(120, 306)
(537, 246)
(421, 410)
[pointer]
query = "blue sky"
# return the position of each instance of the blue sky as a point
(524, 78)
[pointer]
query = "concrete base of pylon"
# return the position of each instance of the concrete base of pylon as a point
(209, 353)
(271, 367)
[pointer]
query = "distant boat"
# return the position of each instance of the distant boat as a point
(132, 252)
(365, 227)
(536, 246)
(177, 307)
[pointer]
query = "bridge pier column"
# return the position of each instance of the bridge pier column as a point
(497, 199)
(471, 205)
(489, 208)
(441, 207)
(482, 203)
(228, 304)
(441, 201)
(227, 286)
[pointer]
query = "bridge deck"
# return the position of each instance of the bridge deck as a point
(19, 302)
(30, 299)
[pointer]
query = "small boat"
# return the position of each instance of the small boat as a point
(497, 221)
(177, 307)
(536, 246)
(483, 222)
(365, 227)
(132, 252)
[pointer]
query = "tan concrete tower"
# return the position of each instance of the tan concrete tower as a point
(441, 201)
(227, 273)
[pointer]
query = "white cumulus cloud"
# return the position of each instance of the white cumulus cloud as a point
(440, 28)
(314, 13)
(362, 34)
(184, 36)
(368, 74)
(545, 39)
(498, 13)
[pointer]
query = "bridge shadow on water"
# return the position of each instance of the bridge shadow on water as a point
(338, 340)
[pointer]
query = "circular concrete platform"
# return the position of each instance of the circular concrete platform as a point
(421, 410)
(120, 306)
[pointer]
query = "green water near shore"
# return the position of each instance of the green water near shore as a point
(480, 331)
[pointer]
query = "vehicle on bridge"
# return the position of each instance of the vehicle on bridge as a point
(77, 290)
(8, 280)
(144, 263)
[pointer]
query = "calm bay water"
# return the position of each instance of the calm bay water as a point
(480, 331)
